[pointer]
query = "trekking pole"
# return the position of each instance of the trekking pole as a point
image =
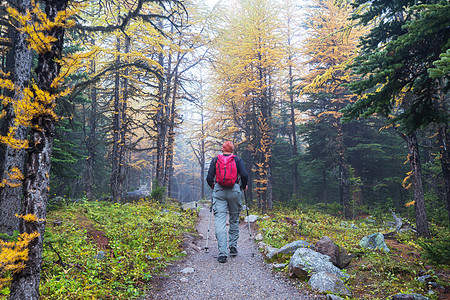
(209, 224)
(248, 222)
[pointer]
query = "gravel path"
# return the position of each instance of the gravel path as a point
(241, 277)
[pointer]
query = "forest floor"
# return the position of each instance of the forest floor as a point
(251, 277)
(244, 276)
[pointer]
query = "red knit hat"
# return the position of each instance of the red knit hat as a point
(228, 147)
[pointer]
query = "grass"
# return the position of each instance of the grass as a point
(100, 250)
(373, 274)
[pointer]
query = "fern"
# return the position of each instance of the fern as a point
(437, 251)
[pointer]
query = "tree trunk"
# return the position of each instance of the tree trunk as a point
(91, 140)
(416, 168)
(123, 123)
(202, 156)
(161, 123)
(18, 62)
(117, 118)
(344, 182)
(445, 162)
(25, 283)
(344, 189)
(171, 138)
(293, 133)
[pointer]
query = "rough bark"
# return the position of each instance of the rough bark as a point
(416, 168)
(25, 283)
(171, 139)
(294, 132)
(344, 189)
(18, 62)
(117, 117)
(91, 140)
(444, 139)
(344, 181)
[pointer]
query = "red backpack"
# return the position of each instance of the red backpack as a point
(226, 170)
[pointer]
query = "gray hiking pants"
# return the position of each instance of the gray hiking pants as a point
(226, 200)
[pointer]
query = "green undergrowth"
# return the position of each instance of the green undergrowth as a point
(373, 274)
(100, 250)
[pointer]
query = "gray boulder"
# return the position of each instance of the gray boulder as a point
(140, 193)
(374, 241)
(251, 218)
(339, 256)
(306, 261)
(189, 205)
(409, 297)
(327, 282)
(333, 297)
(288, 248)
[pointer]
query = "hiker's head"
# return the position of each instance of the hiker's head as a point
(227, 147)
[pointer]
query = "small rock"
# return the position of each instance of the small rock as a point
(187, 270)
(57, 223)
(251, 218)
(333, 297)
(184, 252)
(100, 255)
(259, 237)
(279, 266)
(184, 279)
(374, 241)
(409, 297)
(424, 278)
(370, 219)
(189, 205)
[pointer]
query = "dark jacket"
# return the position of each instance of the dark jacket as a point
(240, 169)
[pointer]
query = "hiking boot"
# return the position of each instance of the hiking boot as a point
(222, 259)
(233, 251)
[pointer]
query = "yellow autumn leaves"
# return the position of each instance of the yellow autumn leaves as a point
(36, 24)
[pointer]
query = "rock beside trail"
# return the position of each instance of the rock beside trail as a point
(333, 297)
(327, 282)
(189, 205)
(374, 241)
(409, 297)
(306, 261)
(251, 218)
(287, 249)
(339, 256)
(187, 270)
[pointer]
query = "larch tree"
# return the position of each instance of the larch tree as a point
(246, 63)
(18, 65)
(40, 101)
(290, 11)
(44, 26)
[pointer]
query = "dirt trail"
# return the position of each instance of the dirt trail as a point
(241, 277)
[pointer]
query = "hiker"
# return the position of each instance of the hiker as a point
(224, 180)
